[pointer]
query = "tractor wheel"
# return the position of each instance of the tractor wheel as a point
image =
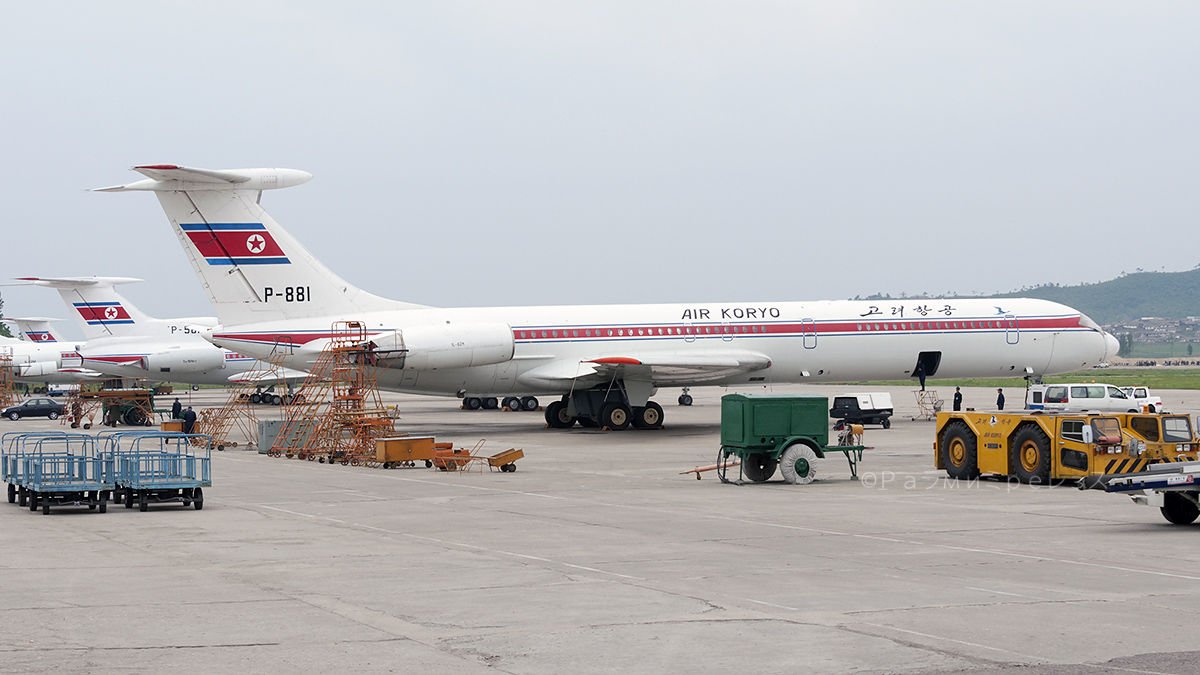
(759, 467)
(959, 450)
(1029, 456)
(798, 464)
(1178, 509)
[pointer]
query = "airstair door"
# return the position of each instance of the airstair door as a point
(808, 331)
(1012, 332)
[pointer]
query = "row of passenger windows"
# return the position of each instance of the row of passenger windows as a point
(929, 325)
(634, 332)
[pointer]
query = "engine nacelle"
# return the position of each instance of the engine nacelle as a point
(185, 359)
(435, 346)
(38, 369)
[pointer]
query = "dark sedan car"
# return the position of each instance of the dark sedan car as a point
(34, 407)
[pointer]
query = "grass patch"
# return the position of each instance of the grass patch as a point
(1155, 378)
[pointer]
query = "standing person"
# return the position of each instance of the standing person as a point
(957, 399)
(999, 399)
(920, 373)
(176, 410)
(189, 420)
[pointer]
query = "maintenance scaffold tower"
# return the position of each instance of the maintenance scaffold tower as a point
(238, 412)
(8, 394)
(340, 414)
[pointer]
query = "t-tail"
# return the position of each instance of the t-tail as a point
(252, 268)
(36, 328)
(102, 312)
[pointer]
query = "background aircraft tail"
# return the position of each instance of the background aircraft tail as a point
(102, 312)
(35, 328)
(252, 268)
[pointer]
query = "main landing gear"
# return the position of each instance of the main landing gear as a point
(512, 403)
(606, 407)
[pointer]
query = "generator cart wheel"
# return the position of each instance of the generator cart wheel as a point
(759, 467)
(1178, 509)
(198, 499)
(798, 464)
(12, 493)
(959, 451)
(886, 423)
(1030, 455)
(557, 417)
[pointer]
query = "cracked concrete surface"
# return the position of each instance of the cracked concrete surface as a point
(596, 556)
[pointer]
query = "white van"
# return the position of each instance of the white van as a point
(1079, 397)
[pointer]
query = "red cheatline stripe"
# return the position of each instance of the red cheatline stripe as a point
(618, 361)
(113, 359)
(871, 325)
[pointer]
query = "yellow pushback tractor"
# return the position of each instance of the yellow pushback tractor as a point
(1036, 447)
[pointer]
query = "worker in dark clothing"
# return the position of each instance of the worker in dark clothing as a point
(189, 420)
(999, 399)
(957, 399)
(176, 410)
(920, 373)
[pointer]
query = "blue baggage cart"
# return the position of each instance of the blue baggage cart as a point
(63, 470)
(160, 467)
(16, 446)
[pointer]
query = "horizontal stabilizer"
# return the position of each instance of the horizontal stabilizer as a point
(77, 282)
(173, 178)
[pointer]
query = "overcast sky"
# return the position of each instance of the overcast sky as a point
(487, 153)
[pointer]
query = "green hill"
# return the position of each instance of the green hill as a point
(1171, 295)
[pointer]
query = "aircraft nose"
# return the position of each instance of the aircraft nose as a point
(1111, 346)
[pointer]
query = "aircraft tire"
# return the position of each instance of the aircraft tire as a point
(556, 416)
(529, 403)
(490, 403)
(616, 416)
(648, 417)
(472, 403)
(685, 399)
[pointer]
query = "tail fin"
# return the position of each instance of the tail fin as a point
(251, 267)
(102, 312)
(36, 328)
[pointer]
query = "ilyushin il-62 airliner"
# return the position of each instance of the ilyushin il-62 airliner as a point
(603, 362)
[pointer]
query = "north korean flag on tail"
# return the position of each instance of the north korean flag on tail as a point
(103, 313)
(235, 243)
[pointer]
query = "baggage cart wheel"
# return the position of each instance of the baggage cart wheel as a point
(128, 499)
(45, 506)
(198, 498)
(798, 464)
(103, 502)
(143, 502)
(12, 493)
(428, 463)
(33, 501)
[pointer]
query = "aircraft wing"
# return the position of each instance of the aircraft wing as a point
(268, 377)
(659, 368)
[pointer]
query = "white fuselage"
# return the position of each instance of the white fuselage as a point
(36, 362)
(804, 341)
(186, 359)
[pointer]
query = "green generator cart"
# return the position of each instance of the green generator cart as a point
(790, 433)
